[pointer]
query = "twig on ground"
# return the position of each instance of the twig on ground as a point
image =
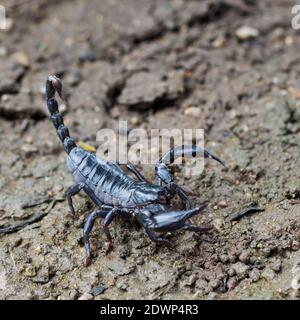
(254, 207)
(38, 217)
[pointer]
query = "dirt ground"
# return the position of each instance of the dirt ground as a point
(231, 67)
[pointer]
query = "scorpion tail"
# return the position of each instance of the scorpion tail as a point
(53, 85)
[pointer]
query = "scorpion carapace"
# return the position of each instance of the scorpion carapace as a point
(115, 193)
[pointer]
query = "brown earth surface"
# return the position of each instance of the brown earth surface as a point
(158, 64)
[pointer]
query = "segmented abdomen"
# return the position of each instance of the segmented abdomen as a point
(106, 183)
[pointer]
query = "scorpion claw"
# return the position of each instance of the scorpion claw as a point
(165, 221)
(173, 220)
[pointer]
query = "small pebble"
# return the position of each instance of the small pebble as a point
(29, 149)
(222, 204)
(30, 295)
(135, 121)
(218, 224)
(215, 283)
(231, 283)
(122, 286)
(231, 272)
(202, 285)
(115, 112)
(86, 296)
(244, 256)
(192, 111)
(289, 40)
(253, 244)
(5, 97)
(191, 280)
(232, 257)
(87, 56)
(240, 268)
(140, 261)
(38, 250)
(225, 214)
(3, 52)
(246, 32)
(295, 284)
(21, 58)
(268, 274)
(99, 290)
(30, 271)
(212, 296)
(295, 245)
(219, 42)
(266, 251)
(224, 258)
(276, 265)
(254, 275)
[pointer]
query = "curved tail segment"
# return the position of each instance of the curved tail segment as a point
(53, 84)
(187, 151)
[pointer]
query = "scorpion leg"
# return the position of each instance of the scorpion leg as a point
(136, 172)
(107, 221)
(88, 226)
(174, 188)
(72, 191)
(133, 170)
(106, 207)
(155, 238)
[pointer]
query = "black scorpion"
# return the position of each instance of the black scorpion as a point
(116, 193)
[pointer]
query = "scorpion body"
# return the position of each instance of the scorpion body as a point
(114, 192)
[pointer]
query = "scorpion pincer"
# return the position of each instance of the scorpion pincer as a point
(116, 193)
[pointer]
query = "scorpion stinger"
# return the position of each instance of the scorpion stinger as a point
(116, 193)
